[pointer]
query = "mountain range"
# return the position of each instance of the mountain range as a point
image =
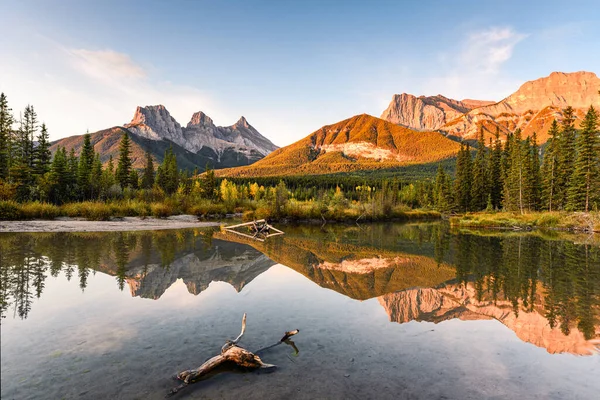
(412, 131)
(532, 108)
(421, 130)
(200, 143)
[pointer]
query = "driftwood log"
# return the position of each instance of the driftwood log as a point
(259, 230)
(230, 353)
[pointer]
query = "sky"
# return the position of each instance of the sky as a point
(289, 67)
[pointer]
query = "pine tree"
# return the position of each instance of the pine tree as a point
(23, 156)
(27, 131)
(134, 179)
(550, 169)
(442, 191)
(108, 177)
(148, 175)
(584, 186)
(167, 174)
(566, 156)
(6, 123)
(496, 182)
(462, 183)
(123, 172)
(59, 172)
(535, 175)
(208, 183)
(479, 185)
(516, 179)
(73, 169)
(86, 162)
(42, 152)
(527, 175)
(96, 177)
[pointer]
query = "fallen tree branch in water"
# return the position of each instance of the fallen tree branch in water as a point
(232, 353)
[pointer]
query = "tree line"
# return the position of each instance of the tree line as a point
(508, 175)
(28, 172)
(515, 177)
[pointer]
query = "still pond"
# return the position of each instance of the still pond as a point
(385, 311)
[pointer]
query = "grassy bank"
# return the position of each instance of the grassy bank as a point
(577, 221)
(290, 211)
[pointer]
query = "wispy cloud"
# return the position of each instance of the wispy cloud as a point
(75, 89)
(106, 65)
(486, 51)
(474, 69)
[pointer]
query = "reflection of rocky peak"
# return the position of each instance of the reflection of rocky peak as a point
(235, 264)
(457, 301)
(359, 272)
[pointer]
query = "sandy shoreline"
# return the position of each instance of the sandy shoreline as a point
(117, 224)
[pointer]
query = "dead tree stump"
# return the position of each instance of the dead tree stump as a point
(230, 352)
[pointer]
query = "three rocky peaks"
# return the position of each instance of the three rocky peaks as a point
(156, 123)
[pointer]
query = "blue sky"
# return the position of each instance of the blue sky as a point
(288, 67)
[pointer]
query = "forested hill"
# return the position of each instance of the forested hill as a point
(360, 143)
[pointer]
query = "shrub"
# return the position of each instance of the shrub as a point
(7, 190)
(10, 210)
(205, 208)
(131, 208)
(93, 211)
(39, 210)
(263, 212)
(161, 210)
(248, 216)
(548, 220)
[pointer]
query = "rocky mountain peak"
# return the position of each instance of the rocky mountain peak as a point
(200, 119)
(559, 89)
(532, 108)
(242, 123)
(154, 122)
(426, 113)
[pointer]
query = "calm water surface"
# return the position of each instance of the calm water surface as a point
(384, 311)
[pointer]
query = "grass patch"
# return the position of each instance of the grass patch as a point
(589, 222)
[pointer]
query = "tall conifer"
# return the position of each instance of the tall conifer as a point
(566, 156)
(6, 123)
(496, 182)
(462, 183)
(550, 167)
(584, 189)
(123, 172)
(479, 185)
(86, 161)
(535, 176)
(42, 152)
(148, 175)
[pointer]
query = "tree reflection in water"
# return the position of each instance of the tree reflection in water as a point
(556, 276)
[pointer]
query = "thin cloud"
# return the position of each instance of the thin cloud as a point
(79, 89)
(476, 68)
(106, 64)
(486, 51)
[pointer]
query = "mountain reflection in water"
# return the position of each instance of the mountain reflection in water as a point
(545, 289)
